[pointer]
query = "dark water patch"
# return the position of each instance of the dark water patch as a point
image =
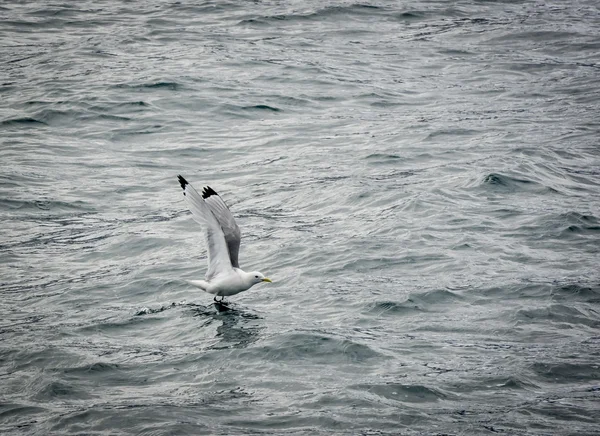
(181, 151)
(437, 296)
(49, 10)
(22, 323)
(55, 117)
(125, 134)
(576, 222)
(451, 133)
(569, 226)
(115, 109)
(576, 292)
(29, 25)
(109, 117)
(54, 206)
(478, 383)
(512, 383)
(506, 183)
(386, 104)
(157, 416)
(430, 301)
(495, 179)
(566, 372)
(122, 327)
(23, 121)
(91, 369)
(44, 103)
(566, 316)
(539, 35)
(134, 103)
(383, 159)
(411, 15)
(566, 410)
(160, 23)
(16, 418)
(353, 10)
(315, 348)
(261, 107)
(392, 175)
(391, 308)
(6, 86)
(404, 393)
(151, 86)
(58, 390)
(285, 422)
(512, 291)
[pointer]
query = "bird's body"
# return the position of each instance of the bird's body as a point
(226, 285)
(223, 237)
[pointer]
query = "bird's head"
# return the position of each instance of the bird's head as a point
(256, 277)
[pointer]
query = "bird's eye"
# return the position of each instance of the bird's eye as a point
(256, 276)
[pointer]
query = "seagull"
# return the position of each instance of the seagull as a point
(223, 237)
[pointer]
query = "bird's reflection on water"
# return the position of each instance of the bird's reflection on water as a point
(239, 326)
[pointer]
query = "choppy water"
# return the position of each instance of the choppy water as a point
(421, 181)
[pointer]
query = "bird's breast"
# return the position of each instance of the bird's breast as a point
(230, 285)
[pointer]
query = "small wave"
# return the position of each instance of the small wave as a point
(576, 292)
(562, 227)
(46, 117)
(248, 111)
(451, 132)
(416, 303)
(500, 180)
(171, 86)
(54, 389)
(564, 372)
(261, 107)
(382, 158)
(437, 296)
(395, 308)
(411, 15)
(513, 184)
(405, 393)
(510, 382)
(316, 347)
(54, 206)
(578, 223)
(10, 410)
(558, 313)
(23, 121)
(514, 383)
(97, 367)
(357, 9)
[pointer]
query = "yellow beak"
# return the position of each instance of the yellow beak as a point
(266, 279)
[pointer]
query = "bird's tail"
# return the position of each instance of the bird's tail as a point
(202, 284)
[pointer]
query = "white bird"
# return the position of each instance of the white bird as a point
(223, 237)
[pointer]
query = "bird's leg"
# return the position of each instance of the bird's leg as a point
(221, 301)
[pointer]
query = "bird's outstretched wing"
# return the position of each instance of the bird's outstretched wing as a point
(232, 233)
(218, 253)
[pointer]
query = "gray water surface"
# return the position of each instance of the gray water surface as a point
(421, 180)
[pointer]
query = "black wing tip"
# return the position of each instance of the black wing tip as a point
(182, 182)
(207, 192)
